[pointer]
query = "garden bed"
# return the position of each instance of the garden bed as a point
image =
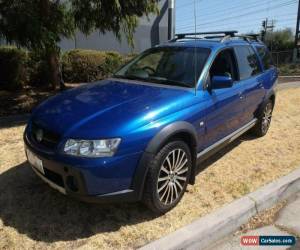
(32, 215)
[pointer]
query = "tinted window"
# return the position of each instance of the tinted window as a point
(224, 65)
(265, 56)
(247, 62)
(167, 65)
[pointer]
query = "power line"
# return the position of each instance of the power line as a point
(222, 25)
(245, 20)
(202, 8)
(253, 25)
(236, 8)
(290, 2)
(248, 13)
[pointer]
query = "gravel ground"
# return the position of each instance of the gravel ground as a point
(33, 216)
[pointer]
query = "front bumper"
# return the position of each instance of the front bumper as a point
(70, 181)
(117, 179)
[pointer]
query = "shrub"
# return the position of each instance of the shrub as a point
(13, 68)
(38, 69)
(89, 65)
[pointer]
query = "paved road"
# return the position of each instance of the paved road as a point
(289, 219)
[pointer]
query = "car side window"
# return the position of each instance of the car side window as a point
(247, 62)
(265, 56)
(224, 65)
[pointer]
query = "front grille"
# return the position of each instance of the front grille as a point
(49, 138)
(54, 177)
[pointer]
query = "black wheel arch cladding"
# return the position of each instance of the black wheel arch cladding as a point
(179, 130)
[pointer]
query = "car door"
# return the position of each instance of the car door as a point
(226, 105)
(250, 73)
(270, 73)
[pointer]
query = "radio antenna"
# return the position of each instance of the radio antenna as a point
(195, 48)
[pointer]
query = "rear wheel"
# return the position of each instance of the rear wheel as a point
(264, 120)
(168, 177)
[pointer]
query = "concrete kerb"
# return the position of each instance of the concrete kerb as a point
(207, 230)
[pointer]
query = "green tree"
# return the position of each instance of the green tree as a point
(39, 25)
(280, 40)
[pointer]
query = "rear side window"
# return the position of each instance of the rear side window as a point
(247, 62)
(265, 56)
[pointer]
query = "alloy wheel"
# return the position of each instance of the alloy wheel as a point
(172, 176)
(266, 119)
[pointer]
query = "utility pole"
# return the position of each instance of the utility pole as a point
(171, 19)
(266, 28)
(297, 37)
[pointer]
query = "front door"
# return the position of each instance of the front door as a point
(226, 105)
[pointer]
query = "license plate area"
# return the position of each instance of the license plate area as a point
(35, 161)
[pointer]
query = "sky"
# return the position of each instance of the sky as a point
(243, 15)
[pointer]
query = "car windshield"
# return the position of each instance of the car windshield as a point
(167, 65)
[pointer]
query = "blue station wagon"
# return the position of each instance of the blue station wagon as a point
(140, 135)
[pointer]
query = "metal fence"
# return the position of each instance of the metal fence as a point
(282, 57)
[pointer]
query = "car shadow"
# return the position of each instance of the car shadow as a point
(32, 208)
(218, 155)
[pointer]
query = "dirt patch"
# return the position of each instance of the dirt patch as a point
(265, 218)
(23, 101)
(34, 216)
(288, 79)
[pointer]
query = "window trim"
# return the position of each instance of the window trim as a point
(257, 57)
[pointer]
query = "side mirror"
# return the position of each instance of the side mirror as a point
(221, 82)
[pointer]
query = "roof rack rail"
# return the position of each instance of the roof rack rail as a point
(254, 37)
(185, 35)
(222, 35)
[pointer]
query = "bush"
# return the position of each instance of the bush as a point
(18, 67)
(89, 65)
(13, 68)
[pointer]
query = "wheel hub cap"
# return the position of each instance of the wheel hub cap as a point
(172, 176)
(266, 120)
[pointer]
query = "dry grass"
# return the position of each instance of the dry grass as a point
(34, 216)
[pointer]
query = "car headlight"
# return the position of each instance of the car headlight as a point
(92, 148)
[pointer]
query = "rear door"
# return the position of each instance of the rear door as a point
(270, 74)
(250, 79)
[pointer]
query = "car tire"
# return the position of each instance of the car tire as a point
(264, 120)
(168, 176)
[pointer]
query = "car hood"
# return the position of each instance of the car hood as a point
(108, 108)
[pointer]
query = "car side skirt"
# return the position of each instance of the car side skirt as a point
(206, 153)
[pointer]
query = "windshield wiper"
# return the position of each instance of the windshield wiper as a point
(130, 77)
(165, 80)
(161, 80)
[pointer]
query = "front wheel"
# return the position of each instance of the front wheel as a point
(264, 120)
(168, 177)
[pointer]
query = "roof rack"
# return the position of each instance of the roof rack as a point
(222, 35)
(225, 33)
